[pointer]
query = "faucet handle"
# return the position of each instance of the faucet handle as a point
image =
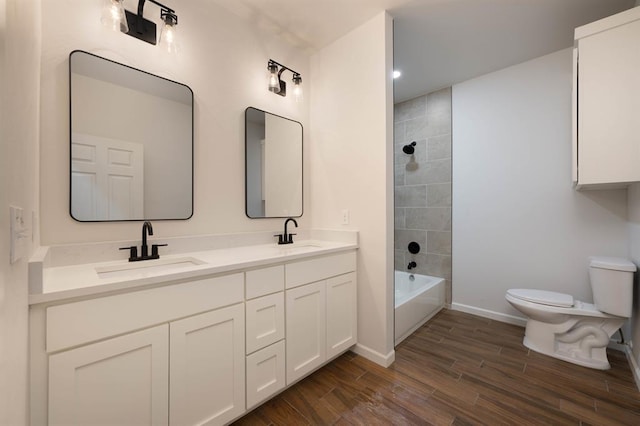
(154, 250)
(280, 238)
(133, 252)
(291, 238)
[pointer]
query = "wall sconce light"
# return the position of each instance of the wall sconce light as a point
(117, 18)
(276, 85)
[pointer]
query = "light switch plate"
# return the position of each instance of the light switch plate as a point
(17, 232)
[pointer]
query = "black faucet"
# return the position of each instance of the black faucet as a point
(286, 238)
(412, 265)
(147, 229)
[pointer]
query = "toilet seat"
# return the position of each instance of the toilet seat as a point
(543, 297)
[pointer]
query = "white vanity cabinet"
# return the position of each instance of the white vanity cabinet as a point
(203, 349)
(321, 311)
(606, 151)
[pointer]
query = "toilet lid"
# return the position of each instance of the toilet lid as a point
(543, 297)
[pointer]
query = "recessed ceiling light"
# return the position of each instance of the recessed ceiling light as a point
(396, 73)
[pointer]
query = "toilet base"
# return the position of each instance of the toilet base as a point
(581, 341)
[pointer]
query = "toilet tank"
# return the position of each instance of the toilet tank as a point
(612, 285)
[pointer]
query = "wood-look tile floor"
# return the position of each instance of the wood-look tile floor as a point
(458, 369)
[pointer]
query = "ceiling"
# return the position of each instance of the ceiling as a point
(437, 43)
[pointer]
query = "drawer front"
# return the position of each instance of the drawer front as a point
(308, 271)
(265, 373)
(261, 282)
(265, 321)
(82, 322)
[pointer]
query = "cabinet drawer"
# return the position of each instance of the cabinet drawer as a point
(265, 373)
(261, 282)
(308, 271)
(82, 322)
(265, 321)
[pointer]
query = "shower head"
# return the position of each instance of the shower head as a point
(409, 149)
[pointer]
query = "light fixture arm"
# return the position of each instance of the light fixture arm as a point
(141, 6)
(282, 67)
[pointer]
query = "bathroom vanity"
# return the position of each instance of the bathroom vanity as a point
(198, 338)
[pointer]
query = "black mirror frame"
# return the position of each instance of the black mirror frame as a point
(246, 184)
(192, 143)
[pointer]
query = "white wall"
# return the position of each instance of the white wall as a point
(224, 61)
(634, 254)
(351, 166)
(517, 222)
(19, 92)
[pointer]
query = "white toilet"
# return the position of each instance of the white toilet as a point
(575, 331)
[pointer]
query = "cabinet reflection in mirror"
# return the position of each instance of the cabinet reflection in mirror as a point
(273, 150)
(131, 143)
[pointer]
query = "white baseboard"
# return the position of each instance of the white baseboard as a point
(635, 370)
(498, 316)
(375, 356)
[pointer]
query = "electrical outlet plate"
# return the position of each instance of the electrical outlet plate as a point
(345, 217)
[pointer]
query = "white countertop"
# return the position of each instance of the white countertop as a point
(71, 281)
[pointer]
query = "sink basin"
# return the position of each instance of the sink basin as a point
(146, 268)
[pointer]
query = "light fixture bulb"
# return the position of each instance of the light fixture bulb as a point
(113, 16)
(396, 73)
(297, 87)
(168, 38)
(274, 80)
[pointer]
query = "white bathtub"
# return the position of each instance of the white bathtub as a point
(418, 298)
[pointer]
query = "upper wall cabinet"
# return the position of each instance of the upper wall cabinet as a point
(606, 104)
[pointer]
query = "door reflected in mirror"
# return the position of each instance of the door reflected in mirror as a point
(273, 169)
(131, 143)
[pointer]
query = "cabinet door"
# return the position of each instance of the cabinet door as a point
(123, 380)
(609, 101)
(342, 314)
(207, 373)
(306, 329)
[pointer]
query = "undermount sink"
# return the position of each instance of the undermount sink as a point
(146, 267)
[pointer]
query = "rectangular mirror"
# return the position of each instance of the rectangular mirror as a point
(131, 143)
(273, 165)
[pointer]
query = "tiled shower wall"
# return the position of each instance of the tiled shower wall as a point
(423, 185)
